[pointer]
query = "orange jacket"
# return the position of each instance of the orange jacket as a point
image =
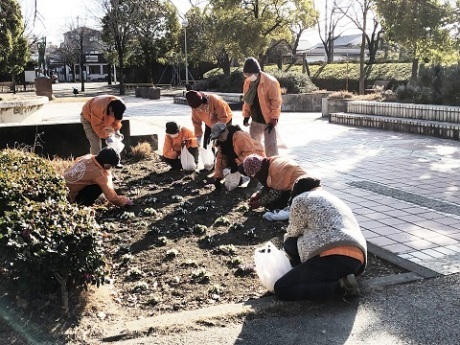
(172, 146)
(95, 111)
(269, 93)
(87, 171)
(282, 173)
(216, 110)
(243, 145)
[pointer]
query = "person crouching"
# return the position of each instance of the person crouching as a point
(177, 137)
(91, 176)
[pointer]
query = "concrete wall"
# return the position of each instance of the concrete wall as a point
(308, 102)
(148, 92)
(53, 139)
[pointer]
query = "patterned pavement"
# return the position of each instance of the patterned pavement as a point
(403, 188)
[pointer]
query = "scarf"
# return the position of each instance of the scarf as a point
(249, 96)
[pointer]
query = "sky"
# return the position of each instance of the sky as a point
(57, 16)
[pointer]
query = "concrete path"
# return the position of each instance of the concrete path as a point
(404, 188)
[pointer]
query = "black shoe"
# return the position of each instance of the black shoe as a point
(349, 285)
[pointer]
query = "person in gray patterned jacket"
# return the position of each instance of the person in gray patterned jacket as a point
(325, 244)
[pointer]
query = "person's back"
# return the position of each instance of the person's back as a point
(90, 176)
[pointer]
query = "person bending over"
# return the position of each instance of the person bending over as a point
(208, 109)
(277, 175)
(325, 243)
(233, 146)
(177, 137)
(101, 117)
(90, 176)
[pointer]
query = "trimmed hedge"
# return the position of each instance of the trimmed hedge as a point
(44, 238)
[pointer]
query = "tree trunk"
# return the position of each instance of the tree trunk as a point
(122, 73)
(109, 73)
(414, 68)
(361, 56)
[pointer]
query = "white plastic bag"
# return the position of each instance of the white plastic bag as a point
(271, 264)
(277, 214)
(207, 157)
(279, 142)
(232, 180)
(187, 160)
(115, 141)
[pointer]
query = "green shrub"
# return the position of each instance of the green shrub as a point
(292, 82)
(43, 237)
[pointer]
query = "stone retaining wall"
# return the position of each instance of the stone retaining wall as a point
(147, 92)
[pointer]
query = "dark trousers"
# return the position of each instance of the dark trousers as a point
(316, 278)
(88, 195)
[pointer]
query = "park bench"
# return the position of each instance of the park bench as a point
(378, 86)
(6, 86)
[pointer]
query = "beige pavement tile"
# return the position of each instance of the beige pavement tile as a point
(385, 230)
(420, 244)
(445, 250)
(443, 240)
(433, 253)
(381, 241)
(398, 248)
(455, 236)
(454, 247)
(411, 218)
(421, 255)
(416, 210)
(423, 233)
(403, 237)
(391, 221)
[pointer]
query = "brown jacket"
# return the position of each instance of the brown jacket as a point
(216, 110)
(87, 171)
(172, 146)
(243, 145)
(282, 173)
(95, 112)
(269, 93)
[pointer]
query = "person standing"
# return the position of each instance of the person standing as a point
(90, 176)
(325, 244)
(233, 146)
(101, 117)
(210, 109)
(262, 103)
(277, 175)
(177, 137)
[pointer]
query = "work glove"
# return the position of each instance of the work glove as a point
(129, 202)
(246, 121)
(271, 125)
(254, 196)
(253, 204)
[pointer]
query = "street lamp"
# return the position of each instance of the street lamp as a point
(184, 25)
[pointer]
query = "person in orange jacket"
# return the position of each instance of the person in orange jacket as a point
(277, 175)
(176, 137)
(262, 103)
(90, 176)
(233, 146)
(210, 109)
(101, 117)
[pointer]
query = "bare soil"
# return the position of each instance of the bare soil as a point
(183, 245)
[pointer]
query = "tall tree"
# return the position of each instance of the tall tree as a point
(118, 29)
(408, 22)
(14, 50)
(328, 26)
(359, 11)
(156, 32)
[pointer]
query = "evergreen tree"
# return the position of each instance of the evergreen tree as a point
(14, 51)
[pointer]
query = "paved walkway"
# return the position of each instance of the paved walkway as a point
(404, 188)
